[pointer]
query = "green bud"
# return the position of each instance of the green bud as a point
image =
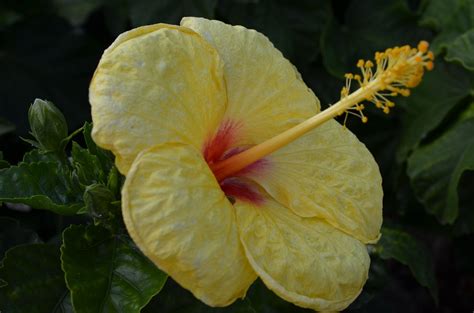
(48, 125)
(98, 200)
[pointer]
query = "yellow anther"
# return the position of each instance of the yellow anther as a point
(357, 77)
(360, 63)
(386, 110)
(418, 58)
(429, 65)
(405, 92)
(364, 119)
(349, 76)
(423, 46)
(369, 64)
(344, 92)
(430, 55)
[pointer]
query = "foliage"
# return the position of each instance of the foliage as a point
(106, 272)
(425, 149)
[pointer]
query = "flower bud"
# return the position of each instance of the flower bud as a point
(98, 200)
(48, 125)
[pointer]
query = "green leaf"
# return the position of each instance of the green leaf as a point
(106, 158)
(3, 163)
(438, 13)
(264, 300)
(296, 33)
(401, 246)
(143, 12)
(87, 166)
(259, 299)
(451, 18)
(178, 300)
(461, 50)
(114, 181)
(42, 185)
(435, 170)
(107, 273)
(12, 234)
(34, 281)
(5, 126)
(368, 26)
(37, 155)
(430, 102)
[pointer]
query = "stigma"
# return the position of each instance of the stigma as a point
(393, 72)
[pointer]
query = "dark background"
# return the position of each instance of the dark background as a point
(50, 48)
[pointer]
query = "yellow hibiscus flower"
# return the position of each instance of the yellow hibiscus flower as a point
(191, 113)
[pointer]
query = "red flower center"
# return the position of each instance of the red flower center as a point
(222, 146)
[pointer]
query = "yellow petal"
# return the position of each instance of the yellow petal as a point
(264, 91)
(178, 216)
(156, 84)
(328, 173)
(303, 260)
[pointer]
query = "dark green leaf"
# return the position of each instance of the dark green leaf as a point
(461, 50)
(3, 163)
(369, 26)
(259, 299)
(465, 163)
(87, 166)
(440, 91)
(105, 157)
(114, 181)
(451, 18)
(143, 12)
(296, 33)
(264, 300)
(37, 155)
(107, 273)
(435, 170)
(35, 282)
(438, 13)
(12, 234)
(42, 185)
(401, 246)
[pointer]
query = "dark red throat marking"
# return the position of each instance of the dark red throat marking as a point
(222, 146)
(222, 141)
(239, 189)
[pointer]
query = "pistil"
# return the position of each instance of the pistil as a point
(397, 70)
